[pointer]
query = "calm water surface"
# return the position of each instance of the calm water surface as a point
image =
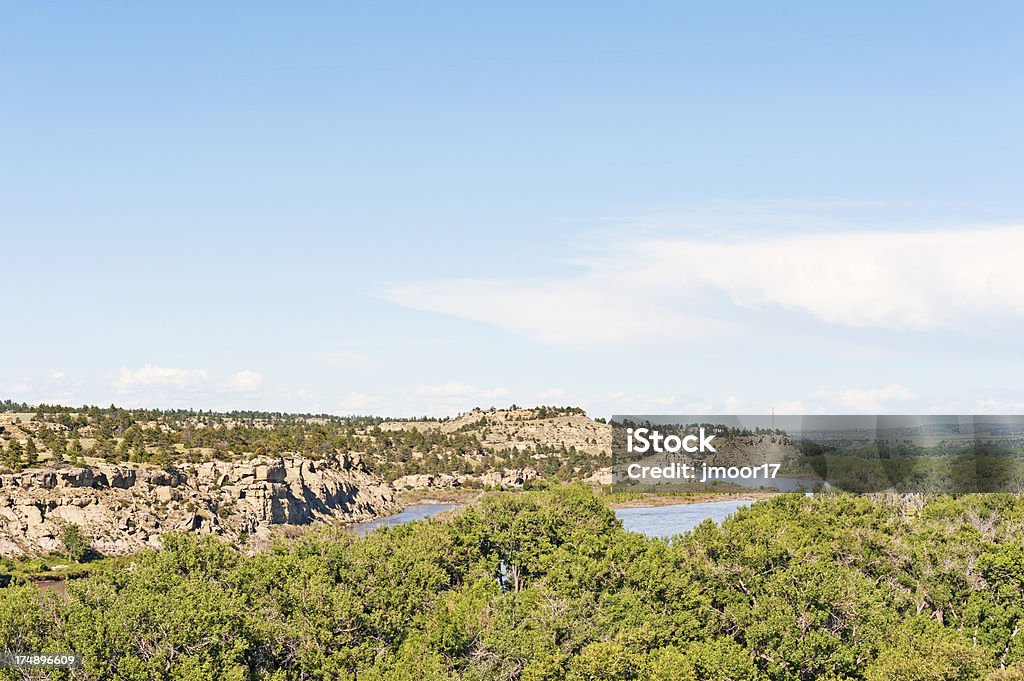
(57, 587)
(657, 521)
(665, 521)
(411, 513)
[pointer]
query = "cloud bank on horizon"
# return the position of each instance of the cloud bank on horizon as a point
(938, 287)
(659, 294)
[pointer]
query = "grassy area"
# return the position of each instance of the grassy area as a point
(614, 499)
(664, 498)
(439, 495)
(53, 567)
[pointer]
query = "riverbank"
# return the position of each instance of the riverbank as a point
(614, 500)
(452, 495)
(617, 500)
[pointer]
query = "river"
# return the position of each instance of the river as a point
(407, 515)
(653, 521)
(665, 521)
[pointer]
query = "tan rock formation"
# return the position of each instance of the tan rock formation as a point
(124, 508)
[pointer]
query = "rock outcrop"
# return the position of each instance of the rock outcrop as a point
(520, 428)
(125, 508)
(511, 478)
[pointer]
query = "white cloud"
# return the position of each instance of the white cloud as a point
(930, 280)
(154, 376)
(551, 394)
(792, 407)
(448, 389)
(868, 400)
(55, 388)
(564, 312)
(623, 403)
(996, 406)
(445, 399)
(153, 385)
(878, 400)
(457, 389)
(493, 393)
(244, 381)
(674, 289)
(732, 405)
(22, 387)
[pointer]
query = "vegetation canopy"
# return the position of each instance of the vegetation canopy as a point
(547, 585)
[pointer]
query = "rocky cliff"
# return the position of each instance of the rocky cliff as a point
(509, 478)
(124, 508)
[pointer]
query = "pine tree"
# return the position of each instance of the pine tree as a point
(31, 453)
(75, 450)
(14, 454)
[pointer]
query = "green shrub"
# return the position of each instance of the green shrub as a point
(76, 544)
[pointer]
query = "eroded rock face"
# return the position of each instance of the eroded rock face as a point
(125, 508)
(510, 478)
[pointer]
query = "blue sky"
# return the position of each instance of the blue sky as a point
(426, 207)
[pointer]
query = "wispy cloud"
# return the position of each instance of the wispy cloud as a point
(594, 308)
(461, 390)
(244, 381)
(150, 376)
(867, 400)
(58, 387)
(152, 385)
(550, 394)
(443, 399)
(666, 288)
(886, 399)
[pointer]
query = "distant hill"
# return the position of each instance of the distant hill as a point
(522, 428)
(558, 441)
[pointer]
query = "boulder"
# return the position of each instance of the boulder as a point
(122, 478)
(271, 472)
(43, 479)
(166, 494)
(75, 477)
(31, 514)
